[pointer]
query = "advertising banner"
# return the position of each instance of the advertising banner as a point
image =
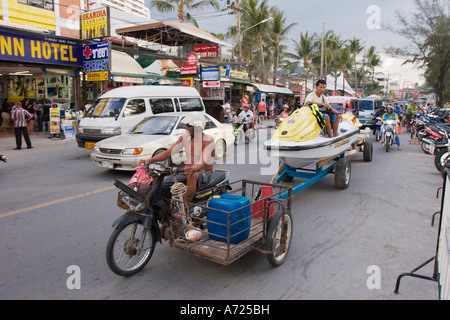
(210, 73)
(207, 51)
(31, 49)
(96, 61)
(95, 24)
(55, 121)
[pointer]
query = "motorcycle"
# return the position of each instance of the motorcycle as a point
(377, 129)
(3, 158)
(149, 219)
(242, 136)
(389, 133)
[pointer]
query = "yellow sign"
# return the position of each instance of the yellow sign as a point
(97, 76)
(95, 24)
(54, 121)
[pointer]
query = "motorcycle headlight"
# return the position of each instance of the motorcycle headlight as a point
(132, 151)
(111, 131)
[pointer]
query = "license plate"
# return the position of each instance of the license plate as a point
(107, 164)
(432, 148)
(89, 145)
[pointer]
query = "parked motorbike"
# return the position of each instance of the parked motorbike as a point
(389, 133)
(148, 219)
(242, 136)
(433, 134)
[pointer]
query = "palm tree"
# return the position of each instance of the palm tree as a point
(346, 62)
(355, 48)
(373, 60)
(183, 7)
(277, 34)
(305, 50)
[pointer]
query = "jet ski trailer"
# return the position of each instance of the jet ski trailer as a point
(328, 155)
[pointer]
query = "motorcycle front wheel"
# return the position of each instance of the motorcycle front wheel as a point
(130, 248)
(388, 143)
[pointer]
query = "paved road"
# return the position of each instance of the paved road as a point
(56, 210)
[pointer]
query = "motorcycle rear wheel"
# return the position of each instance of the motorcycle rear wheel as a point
(123, 253)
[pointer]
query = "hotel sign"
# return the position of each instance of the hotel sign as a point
(25, 48)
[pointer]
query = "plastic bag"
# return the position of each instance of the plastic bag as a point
(141, 177)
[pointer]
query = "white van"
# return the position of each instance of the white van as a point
(119, 110)
(367, 108)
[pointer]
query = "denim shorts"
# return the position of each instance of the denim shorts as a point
(332, 117)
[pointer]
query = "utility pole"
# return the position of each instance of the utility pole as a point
(236, 10)
(323, 51)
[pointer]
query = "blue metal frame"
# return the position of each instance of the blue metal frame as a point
(310, 176)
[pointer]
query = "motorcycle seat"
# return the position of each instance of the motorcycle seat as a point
(440, 144)
(216, 177)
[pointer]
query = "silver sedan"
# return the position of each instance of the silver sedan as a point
(152, 136)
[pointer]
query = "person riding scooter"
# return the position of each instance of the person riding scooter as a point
(378, 114)
(390, 115)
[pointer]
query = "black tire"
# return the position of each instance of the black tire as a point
(117, 252)
(440, 158)
(425, 147)
(278, 229)
(367, 151)
(343, 174)
(388, 143)
(377, 135)
(166, 163)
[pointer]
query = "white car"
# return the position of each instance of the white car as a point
(152, 136)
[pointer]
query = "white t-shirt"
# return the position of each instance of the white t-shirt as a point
(246, 116)
(314, 98)
(227, 107)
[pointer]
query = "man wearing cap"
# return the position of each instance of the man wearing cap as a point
(200, 152)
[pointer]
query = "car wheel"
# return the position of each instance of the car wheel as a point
(166, 163)
(220, 149)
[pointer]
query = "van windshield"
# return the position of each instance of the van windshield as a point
(106, 108)
(338, 106)
(365, 105)
(155, 125)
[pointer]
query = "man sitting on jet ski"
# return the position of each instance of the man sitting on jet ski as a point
(331, 116)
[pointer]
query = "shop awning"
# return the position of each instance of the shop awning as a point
(125, 69)
(170, 33)
(272, 89)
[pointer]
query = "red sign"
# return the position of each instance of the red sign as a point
(188, 70)
(207, 51)
(192, 59)
(211, 84)
(188, 82)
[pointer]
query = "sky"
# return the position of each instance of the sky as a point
(363, 19)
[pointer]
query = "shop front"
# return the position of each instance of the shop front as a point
(40, 68)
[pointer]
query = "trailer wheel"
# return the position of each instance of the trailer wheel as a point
(368, 151)
(343, 174)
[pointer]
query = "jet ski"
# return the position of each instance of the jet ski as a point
(301, 142)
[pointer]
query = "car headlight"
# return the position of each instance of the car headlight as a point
(80, 129)
(111, 131)
(132, 151)
(96, 148)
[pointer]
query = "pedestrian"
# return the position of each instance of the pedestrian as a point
(6, 115)
(32, 109)
(20, 117)
(227, 110)
(46, 115)
(261, 110)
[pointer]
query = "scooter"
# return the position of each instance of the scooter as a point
(377, 129)
(242, 136)
(389, 133)
(148, 219)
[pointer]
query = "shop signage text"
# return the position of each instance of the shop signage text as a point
(210, 74)
(192, 59)
(19, 47)
(211, 84)
(95, 24)
(207, 51)
(96, 61)
(234, 74)
(188, 70)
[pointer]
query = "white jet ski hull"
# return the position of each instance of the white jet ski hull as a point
(303, 154)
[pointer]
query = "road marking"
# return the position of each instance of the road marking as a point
(43, 205)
